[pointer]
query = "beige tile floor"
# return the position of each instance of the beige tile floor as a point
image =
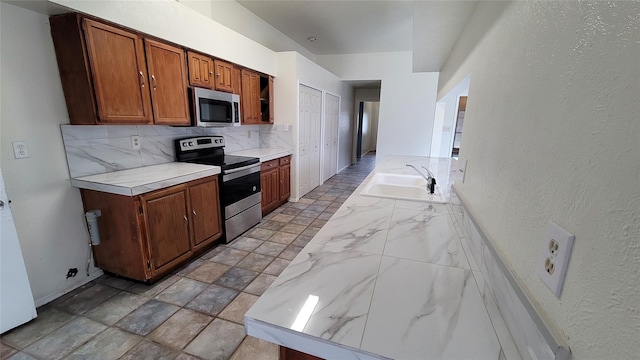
(194, 313)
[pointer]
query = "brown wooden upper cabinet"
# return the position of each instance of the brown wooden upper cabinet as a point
(250, 97)
(257, 98)
(110, 77)
(200, 70)
(168, 76)
(224, 76)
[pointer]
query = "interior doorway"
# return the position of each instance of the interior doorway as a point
(448, 122)
(368, 114)
(457, 135)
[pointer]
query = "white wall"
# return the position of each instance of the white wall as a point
(47, 210)
(407, 100)
(446, 116)
(552, 134)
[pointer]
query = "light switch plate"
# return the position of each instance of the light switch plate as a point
(554, 260)
(20, 149)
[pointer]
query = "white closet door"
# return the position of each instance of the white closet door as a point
(309, 139)
(330, 146)
(315, 134)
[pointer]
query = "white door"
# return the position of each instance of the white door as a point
(16, 300)
(330, 145)
(309, 139)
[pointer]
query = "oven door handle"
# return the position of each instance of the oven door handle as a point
(232, 174)
(257, 166)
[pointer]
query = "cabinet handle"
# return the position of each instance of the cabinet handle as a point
(210, 72)
(141, 79)
(194, 215)
(155, 83)
(218, 75)
(186, 222)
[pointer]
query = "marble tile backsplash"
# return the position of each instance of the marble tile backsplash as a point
(503, 299)
(96, 149)
(279, 136)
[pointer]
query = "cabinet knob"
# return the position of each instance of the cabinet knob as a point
(141, 79)
(194, 215)
(210, 72)
(218, 75)
(186, 221)
(155, 83)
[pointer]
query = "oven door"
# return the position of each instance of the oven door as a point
(239, 184)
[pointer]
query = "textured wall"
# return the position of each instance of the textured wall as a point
(47, 210)
(552, 133)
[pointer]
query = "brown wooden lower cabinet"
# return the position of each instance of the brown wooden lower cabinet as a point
(144, 237)
(290, 354)
(275, 183)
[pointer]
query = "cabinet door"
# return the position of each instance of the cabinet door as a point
(119, 74)
(167, 226)
(200, 70)
(250, 97)
(224, 76)
(285, 183)
(205, 212)
(168, 77)
(236, 81)
(269, 187)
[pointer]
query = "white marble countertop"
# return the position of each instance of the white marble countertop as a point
(144, 179)
(391, 280)
(265, 154)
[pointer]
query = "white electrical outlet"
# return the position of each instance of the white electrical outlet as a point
(554, 260)
(135, 142)
(20, 149)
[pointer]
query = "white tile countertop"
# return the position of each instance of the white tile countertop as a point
(390, 278)
(144, 179)
(265, 154)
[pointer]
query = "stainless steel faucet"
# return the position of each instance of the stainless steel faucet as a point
(431, 180)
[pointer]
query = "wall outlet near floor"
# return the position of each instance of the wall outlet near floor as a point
(135, 142)
(20, 149)
(554, 260)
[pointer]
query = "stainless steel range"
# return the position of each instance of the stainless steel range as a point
(240, 194)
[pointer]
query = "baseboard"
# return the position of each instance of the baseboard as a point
(96, 273)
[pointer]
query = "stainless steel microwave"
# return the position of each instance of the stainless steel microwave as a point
(214, 108)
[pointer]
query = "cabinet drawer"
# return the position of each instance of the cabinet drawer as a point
(285, 160)
(269, 165)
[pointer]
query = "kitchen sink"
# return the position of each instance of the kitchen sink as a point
(401, 187)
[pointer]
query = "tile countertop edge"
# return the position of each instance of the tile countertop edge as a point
(305, 343)
(265, 154)
(152, 185)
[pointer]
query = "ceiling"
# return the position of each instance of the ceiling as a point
(428, 28)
